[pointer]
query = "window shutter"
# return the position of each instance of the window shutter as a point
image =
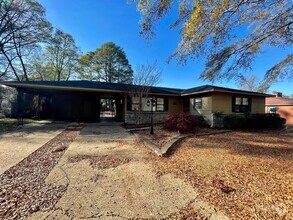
(166, 104)
(233, 103)
(249, 104)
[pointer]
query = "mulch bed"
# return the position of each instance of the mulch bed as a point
(23, 190)
(162, 136)
(245, 174)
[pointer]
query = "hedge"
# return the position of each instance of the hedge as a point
(254, 121)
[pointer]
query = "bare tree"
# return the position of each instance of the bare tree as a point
(253, 83)
(144, 78)
(22, 27)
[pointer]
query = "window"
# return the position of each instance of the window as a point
(145, 106)
(241, 104)
(197, 103)
(134, 103)
(273, 110)
(160, 104)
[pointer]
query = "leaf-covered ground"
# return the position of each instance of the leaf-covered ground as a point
(162, 136)
(247, 175)
(22, 187)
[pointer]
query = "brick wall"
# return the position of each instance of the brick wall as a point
(145, 117)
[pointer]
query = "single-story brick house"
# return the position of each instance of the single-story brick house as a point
(80, 100)
(280, 105)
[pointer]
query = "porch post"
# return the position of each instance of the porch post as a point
(39, 106)
(19, 107)
(99, 108)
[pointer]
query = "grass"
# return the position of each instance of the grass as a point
(10, 124)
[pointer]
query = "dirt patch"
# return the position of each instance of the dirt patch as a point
(100, 162)
(247, 175)
(22, 187)
(120, 143)
(189, 212)
(221, 185)
(97, 177)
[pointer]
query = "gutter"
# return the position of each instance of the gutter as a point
(34, 86)
(224, 91)
(246, 93)
(27, 85)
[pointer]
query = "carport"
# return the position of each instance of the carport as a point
(63, 101)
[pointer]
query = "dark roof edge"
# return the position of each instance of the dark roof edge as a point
(72, 88)
(125, 84)
(245, 92)
(211, 88)
(181, 92)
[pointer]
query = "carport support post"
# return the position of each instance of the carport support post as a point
(38, 107)
(19, 107)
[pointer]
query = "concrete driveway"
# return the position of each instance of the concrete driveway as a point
(107, 177)
(16, 145)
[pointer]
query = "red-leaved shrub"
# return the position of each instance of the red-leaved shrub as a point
(171, 121)
(183, 122)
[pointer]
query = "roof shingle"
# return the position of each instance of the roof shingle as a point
(84, 84)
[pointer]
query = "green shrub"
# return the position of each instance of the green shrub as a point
(2, 115)
(218, 113)
(253, 121)
(275, 121)
(200, 121)
(234, 121)
(6, 112)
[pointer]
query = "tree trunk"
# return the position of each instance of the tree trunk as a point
(59, 76)
(20, 58)
(11, 65)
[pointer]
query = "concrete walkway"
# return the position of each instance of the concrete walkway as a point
(16, 145)
(108, 177)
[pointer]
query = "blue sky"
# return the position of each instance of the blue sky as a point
(94, 22)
